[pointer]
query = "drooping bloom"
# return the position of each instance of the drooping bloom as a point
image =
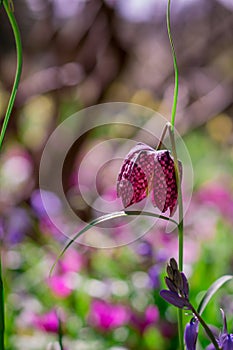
(146, 170)
(190, 334)
(154, 276)
(176, 281)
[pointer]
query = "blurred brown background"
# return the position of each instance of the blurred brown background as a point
(78, 53)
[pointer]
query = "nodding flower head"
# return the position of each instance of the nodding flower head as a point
(176, 281)
(146, 170)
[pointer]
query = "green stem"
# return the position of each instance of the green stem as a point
(175, 66)
(180, 201)
(18, 68)
(2, 324)
(180, 229)
(8, 9)
(206, 328)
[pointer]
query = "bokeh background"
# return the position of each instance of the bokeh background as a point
(79, 53)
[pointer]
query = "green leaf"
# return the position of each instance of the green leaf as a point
(108, 217)
(212, 290)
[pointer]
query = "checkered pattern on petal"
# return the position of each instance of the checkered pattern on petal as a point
(135, 177)
(164, 194)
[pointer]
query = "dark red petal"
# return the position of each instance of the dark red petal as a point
(173, 207)
(164, 193)
(135, 177)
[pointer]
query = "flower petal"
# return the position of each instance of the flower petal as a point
(190, 334)
(170, 285)
(136, 174)
(165, 192)
(185, 284)
(228, 343)
(174, 299)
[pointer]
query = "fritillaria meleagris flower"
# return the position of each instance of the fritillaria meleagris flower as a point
(146, 170)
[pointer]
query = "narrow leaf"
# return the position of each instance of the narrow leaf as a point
(212, 290)
(104, 218)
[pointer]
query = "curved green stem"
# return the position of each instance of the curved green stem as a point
(105, 218)
(180, 229)
(175, 66)
(9, 8)
(16, 32)
(180, 201)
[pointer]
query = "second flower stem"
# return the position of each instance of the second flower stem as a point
(180, 229)
(178, 180)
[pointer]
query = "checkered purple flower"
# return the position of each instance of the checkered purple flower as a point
(146, 170)
(136, 175)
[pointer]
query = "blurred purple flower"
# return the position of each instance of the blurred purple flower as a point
(39, 197)
(145, 249)
(190, 334)
(47, 322)
(150, 317)
(145, 170)
(106, 316)
(154, 277)
(14, 225)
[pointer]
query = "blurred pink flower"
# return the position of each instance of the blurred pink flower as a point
(71, 261)
(217, 196)
(150, 317)
(59, 286)
(106, 316)
(47, 322)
